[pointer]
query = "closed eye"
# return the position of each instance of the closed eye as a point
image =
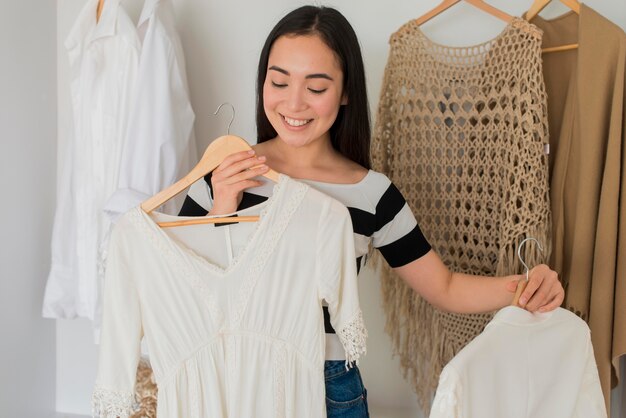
(277, 85)
(317, 91)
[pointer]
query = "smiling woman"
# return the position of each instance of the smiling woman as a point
(315, 51)
(313, 125)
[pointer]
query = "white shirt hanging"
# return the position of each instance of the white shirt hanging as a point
(160, 146)
(104, 58)
(235, 326)
(523, 365)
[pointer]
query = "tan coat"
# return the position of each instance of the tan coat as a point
(587, 123)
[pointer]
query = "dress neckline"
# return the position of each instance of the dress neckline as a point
(267, 208)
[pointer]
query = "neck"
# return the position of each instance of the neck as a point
(308, 156)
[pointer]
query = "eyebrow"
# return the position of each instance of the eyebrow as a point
(317, 75)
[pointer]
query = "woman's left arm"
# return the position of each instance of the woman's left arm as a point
(465, 293)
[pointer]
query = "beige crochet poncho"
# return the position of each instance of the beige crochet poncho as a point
(461, 132)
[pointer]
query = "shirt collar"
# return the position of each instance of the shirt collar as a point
(517, 316)
(85, 22)
(149, 7)
(108, 20)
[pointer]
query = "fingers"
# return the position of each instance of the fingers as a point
(544, 292)
(237, 163)
(511, 285)
(232, 177)
(555, 303)
(534, 282)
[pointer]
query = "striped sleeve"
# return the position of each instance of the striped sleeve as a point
(397, 236)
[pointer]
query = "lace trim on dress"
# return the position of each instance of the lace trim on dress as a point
(352, 336)
(216, 314)
(264, 253)
(108, 403)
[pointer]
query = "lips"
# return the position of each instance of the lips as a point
(295, 123)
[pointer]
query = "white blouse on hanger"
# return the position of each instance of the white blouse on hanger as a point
(234, 327)
(104, 59)
(523, 365)
(160, 141)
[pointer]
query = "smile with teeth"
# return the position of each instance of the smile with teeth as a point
(296, 122)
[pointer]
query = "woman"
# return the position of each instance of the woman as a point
(313, 125)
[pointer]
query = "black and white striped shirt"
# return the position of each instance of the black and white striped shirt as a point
(379, 213)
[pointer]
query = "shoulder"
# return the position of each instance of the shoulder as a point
(129, 220)
(563, 318)
(379, 189)
(378, 179)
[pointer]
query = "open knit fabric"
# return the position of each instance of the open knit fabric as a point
(461, 132)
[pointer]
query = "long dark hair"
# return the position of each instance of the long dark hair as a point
(350, 133)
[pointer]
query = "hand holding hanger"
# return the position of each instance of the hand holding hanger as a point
(213, 156)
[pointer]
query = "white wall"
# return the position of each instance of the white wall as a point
(222, 41)
(27, 172)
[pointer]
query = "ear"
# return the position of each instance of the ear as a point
(344, 100)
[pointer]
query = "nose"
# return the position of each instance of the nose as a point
(296, 101)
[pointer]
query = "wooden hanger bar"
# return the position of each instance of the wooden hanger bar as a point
(480, 4)
(213, 156)
(539, 5)
(202, 220)
(560, 48)
(99, 10)
(521, 285)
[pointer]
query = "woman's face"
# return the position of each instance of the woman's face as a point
(303, 89)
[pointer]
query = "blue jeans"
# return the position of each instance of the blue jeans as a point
(346, 397)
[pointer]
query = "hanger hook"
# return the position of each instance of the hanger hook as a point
(231, 119)
(519, 255)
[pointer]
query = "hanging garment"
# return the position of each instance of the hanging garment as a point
(461, 132)
(161, 144)
(234, 325)
(380, 218)
(587, 92)
(103, 67)
(523, 365)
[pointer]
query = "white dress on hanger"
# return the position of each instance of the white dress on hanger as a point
(234, 327)
(523, 365)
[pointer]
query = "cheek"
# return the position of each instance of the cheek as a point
(269, 99)
(327, 107)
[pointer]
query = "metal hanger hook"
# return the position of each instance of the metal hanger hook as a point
(231, 119)
(519, 255)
